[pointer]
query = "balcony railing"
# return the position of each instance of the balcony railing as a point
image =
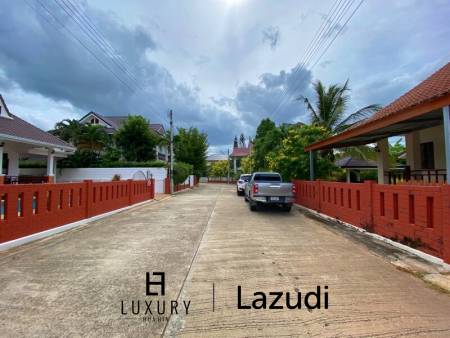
(400, 175)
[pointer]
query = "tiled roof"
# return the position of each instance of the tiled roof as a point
(240, 152)
(350, 162)
(116, 122)
(432, 92)
(435, 86)
(19, 129)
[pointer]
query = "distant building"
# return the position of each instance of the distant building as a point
(210, 159)
(113, 123)
(240, 151)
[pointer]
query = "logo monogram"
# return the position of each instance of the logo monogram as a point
(161, 283)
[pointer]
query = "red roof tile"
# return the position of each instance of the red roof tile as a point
(240, 152)
(435, 86)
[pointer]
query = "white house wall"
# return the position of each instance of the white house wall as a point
(435, 135)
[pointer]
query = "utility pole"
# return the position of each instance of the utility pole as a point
(171, 151)
(228, 166)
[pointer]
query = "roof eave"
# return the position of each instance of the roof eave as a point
(6, 137)
(399, 116)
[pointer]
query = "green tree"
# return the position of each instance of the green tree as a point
(135, 140)
(93, 138)
(181, 171)
(291, 161)
(68, 130)
(268, 139)
(330, 108)
(248, 164)
(219, 169)
(395, 151)
(190, 146)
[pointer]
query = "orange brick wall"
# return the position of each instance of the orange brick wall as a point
(418, 215)
(30, 208)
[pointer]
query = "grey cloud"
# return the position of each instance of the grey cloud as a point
(272, 36)
(274, 93)
(39, 58)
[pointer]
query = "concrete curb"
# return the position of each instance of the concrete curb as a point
(405, 248)
(43, 234)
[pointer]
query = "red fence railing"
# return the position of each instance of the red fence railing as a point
(26, 209)
(416, 215)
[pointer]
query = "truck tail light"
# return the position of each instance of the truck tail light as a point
(294, 189)
(255, 188)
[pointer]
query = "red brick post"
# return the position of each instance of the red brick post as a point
(366, 197)
(446, 223)
(319, 196)
(152, 192)
(2, 179)
(167, 185)
(130, 192)
(89, 197)
(50, 179)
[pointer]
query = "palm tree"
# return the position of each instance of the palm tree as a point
(330, 112)
(68, 130)
(331, 105)
(92, 137)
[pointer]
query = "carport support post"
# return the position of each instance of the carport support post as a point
(446, 112)
(312, 175)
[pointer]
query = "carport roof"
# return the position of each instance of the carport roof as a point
(419, 108)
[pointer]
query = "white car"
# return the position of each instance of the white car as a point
(242, 181)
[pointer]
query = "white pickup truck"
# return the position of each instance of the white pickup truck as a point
(266, 188)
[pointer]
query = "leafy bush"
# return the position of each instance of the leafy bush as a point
(32, 164)
(181, 171)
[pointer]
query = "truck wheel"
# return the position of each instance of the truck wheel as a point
(253, 206)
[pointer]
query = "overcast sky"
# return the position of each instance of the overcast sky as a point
(221, 65)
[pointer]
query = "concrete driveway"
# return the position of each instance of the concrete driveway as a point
(82, 282)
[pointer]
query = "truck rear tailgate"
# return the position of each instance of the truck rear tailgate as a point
(274, 189)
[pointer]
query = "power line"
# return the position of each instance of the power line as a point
(73, 35)
(325, 31)
(97, 38)
(339, 15)
(314, 40)
(84, 46)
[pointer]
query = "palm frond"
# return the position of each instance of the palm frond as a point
(357, 116)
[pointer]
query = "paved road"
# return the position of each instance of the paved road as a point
(74, 283)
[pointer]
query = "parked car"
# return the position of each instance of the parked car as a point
(266, 188)
(240, 184)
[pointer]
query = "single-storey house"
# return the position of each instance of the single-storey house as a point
(238, 154)
(113, 123)
(18, 139)
(422, 116)
(354, 166)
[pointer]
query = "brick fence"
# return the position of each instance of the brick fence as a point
(413, 214)
(26, 209)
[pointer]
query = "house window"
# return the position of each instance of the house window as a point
(427, 155)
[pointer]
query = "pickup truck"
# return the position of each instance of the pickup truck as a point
(266, 188)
